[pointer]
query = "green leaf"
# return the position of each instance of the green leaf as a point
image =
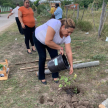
(62, 78)
(66, 79)
(60, 85)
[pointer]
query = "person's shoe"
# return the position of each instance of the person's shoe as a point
(56, 81)
(45, 83)
(33, 50)
(29, 52)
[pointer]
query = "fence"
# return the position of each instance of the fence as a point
(91, 14)
(5, 9)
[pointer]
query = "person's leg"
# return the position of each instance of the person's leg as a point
(42, 57)
(19, 25)
(31, 38)
(53, 53)
(27, 37)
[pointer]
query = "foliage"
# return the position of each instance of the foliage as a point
(65, 2)
(36, 3)
(40, 8)
(84, 3)
(66, 81)
(6, 4)
(1, 66)
(33, 7)
(84, 25)
(98, 3)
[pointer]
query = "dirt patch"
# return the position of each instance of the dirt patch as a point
(41, 100)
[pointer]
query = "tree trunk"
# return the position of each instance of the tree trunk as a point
(102, 18)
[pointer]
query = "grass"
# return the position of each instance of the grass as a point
(4, 12)
(23, 90)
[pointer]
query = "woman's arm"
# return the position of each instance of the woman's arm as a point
(49, 39)
(20, 18)
(9, 15)
(69, 56)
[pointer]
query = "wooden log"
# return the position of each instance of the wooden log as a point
(29, 62)
(30, 67)
(35, 69)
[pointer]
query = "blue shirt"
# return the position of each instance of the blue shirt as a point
(58, 13)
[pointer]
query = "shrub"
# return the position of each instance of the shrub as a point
(40, 8)
(84, 25)
(105, 30)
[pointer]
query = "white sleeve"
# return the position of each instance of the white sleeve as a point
(54, 24)
(67, 40)
(13, 11)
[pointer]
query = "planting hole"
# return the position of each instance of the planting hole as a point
(72, 90)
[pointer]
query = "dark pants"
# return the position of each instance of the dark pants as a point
(28, 35)
(19, 25)
(41, 48)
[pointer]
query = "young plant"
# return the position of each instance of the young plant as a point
(75, 90)
(67, 81)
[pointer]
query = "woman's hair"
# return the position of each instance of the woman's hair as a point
(68, 23)
(57, 5)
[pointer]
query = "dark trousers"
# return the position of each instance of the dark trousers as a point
(28, 35)
(41, 48)
(19, 25)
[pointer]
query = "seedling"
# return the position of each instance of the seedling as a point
(65, 81)
(75, 90)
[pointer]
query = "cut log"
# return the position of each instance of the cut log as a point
(75, 66)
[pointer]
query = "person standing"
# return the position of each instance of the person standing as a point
(58, 12)
(26, 17)
(15, 11)
(50, 36)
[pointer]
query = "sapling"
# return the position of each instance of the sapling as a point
(66, 81)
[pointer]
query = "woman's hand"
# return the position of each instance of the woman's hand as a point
(23, 26)
(71, 70)
(61, 51)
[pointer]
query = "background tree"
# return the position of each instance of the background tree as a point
(36, 3)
